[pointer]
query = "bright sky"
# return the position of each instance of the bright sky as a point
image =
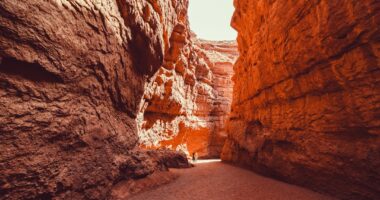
(210, 19)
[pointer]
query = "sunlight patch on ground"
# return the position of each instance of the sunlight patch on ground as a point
(206, 161)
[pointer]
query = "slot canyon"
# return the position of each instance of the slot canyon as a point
(120, 99)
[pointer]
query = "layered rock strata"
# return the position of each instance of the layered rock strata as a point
(72, 74)
(187, 101)
(306, 102)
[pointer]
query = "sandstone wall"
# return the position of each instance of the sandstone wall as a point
(72, 74)
(187, 101)
(306, 102)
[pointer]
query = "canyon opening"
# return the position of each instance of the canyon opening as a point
(136, 99)
(187, 102)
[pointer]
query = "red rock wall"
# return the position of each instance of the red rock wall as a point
(71, 78)
(306, 102)
(187, 101)
(220, 57)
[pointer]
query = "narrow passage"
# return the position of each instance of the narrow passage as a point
(220, 181)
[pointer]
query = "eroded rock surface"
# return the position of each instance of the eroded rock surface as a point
(72, 74)
(188, 100)
(306, 102)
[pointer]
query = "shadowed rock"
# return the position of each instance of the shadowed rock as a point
(71, 79)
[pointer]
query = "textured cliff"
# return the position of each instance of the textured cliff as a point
(220, 57)
(306, 103)
(186, 102)
(71, 78)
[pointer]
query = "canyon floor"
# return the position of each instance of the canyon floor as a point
(218, 181)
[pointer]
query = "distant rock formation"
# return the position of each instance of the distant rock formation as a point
(188, 100)
(306, 104)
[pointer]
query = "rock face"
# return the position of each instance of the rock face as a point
(306, 102)
(187, 101)
(220, 57)
(72, 74)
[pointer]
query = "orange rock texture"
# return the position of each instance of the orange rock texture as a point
(188, 100)
(72, 74)
(306, 101)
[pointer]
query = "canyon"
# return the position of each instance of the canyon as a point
(99, 98)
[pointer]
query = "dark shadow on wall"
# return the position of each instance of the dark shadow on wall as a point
(30, 71)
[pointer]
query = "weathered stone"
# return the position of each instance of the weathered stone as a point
(185, 105)
(72, 74)
(306, 95)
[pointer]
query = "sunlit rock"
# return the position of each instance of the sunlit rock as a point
(306, 95)
(187, 101)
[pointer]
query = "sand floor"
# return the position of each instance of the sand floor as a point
(219, 181)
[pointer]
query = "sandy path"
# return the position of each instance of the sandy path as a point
(219, 181)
